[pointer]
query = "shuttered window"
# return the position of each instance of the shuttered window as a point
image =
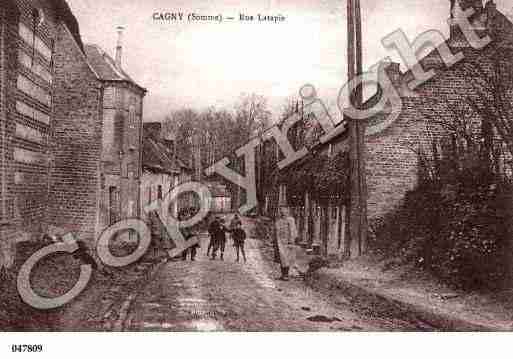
(35, 67)
(35, 42)
(31, 89)
(26, 110)
(29, 157)
(28, 133)
(114, 205)
(132, 128)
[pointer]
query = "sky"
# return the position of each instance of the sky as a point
(198, 64)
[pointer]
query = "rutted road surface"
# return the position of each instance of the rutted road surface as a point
(208, 295)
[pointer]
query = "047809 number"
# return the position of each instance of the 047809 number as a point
(26, 348)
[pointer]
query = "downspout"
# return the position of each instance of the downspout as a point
(140, 148)
(50, 147)
(101, 171)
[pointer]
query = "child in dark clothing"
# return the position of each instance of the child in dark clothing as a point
(220, 239)
(239, 236)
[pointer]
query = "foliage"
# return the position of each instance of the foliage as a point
(325, 178)
(455, 224)
(331, 181)
(217, 133)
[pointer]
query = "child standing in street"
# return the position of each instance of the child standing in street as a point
(239, 237)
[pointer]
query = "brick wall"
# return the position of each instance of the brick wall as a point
(122, 119)
(76, 142)
(8, 70)
(392, 156)
(27, 105)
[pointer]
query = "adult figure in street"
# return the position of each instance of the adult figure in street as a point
(234, 223)
(192, 250)
(239, 237)
(188, 233)
(160, 241)
(213, 227)
(286, 235)
(213, 230)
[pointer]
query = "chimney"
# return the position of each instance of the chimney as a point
(491, 10)
(478, 20)
(119, 46)
(393, 71)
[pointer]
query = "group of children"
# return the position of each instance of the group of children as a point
(217, 231)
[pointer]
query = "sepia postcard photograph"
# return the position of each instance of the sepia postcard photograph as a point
(332, 170)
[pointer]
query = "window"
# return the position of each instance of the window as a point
(28, 133)
(26, 110)
(113, 205)
(149, 194)
(108, 130)
(159, 193)
(132, 128)
(34, 41)
(131, 170)
(36, 68)
(31, 89)
(109, 97)
(29, 157)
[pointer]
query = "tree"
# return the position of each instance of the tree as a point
(492, 80)
(217, 133)
(252, 114)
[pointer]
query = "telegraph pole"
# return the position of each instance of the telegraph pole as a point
(356, 215)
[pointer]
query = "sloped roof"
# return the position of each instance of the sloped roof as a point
(429, 61)
(156, 160)
(65, 15)
(158, 157)
(105, 66)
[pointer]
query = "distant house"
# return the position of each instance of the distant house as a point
(221, 198)
(162, 169)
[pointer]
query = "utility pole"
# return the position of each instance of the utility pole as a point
(357, 214)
